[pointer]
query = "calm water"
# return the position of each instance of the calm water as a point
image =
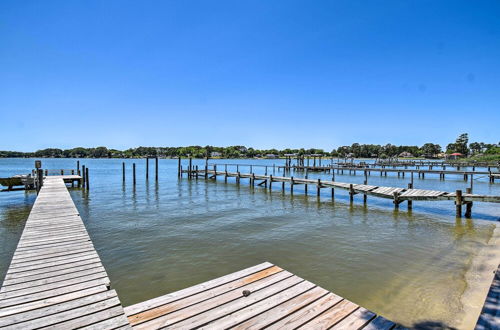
(160, 237)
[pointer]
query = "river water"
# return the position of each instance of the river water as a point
(158, 237)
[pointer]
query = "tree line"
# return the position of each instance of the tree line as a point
(356, 150)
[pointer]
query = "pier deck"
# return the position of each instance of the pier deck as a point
(56, 279)
(490, 315)
(261, 296)
(378, 191)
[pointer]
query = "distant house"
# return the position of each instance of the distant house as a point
(271, 156)
(442, 155)
(405, 154)
(215, 154)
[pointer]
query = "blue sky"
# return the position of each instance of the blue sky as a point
(256, 73)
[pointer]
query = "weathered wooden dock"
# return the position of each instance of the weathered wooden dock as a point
(397, 194)
(490, 315)
(400, 172)
(263, 296)
(56, 278)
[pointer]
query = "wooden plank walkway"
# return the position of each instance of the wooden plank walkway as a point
(260, 296)
(56, 279)
(490, 315)
(378, 191)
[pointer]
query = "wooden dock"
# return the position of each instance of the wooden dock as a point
(490, 315)
(397, 194)
(56, 279)
(262, 296)
(400, 172)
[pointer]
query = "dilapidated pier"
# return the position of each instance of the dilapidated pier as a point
(397, 194)
(399, 171)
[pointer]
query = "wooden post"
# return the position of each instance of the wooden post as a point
(410, 202)
(215, 172)
(133, 173)
(291, 185)
(190, 169)
(123, 172)
(39, 180)
(179, 171)
(318, 192)
(351, 193)
(283, 187)
(270, 182)
(87, 178)
(156, 169)
(78, 166)
(307, 177)
(468, 205)
(83, 176)
(253, 180)
(396, 200)
(471, 183)
(225, 176)
(458, 203)
(147, 168)
(196, 172)
(206, 168)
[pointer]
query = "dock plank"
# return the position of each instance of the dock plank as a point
(279, 300)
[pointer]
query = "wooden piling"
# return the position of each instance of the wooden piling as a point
(410, 202)
(396, 200)
(270, 182)
(123, 172)
(468, 205)
(179, 171)
(156, 169)
(133, 173)
(206, 168)
(87, 181)
(351, 193)
(147, 168)
(318, 188)
(291, 185)
(190, 169)
(458, 203)
(83, 176)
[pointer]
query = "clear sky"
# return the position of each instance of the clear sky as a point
(256, 73)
